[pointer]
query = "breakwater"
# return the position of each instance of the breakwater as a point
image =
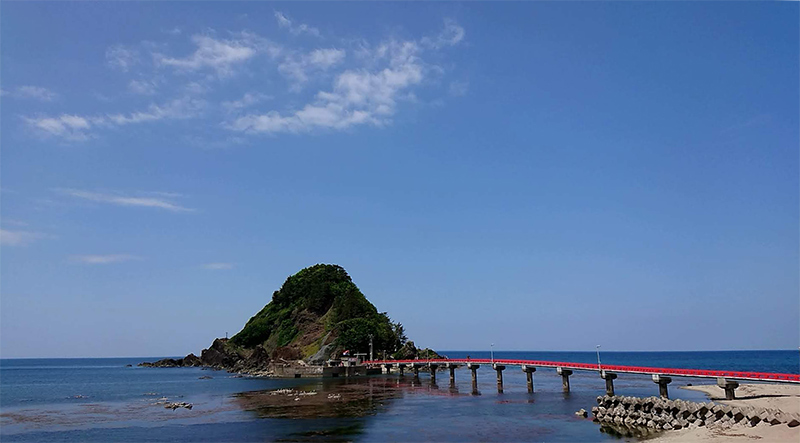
(642, 416)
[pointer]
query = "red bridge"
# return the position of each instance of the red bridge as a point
(737, 375)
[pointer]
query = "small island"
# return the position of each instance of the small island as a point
(318, 324)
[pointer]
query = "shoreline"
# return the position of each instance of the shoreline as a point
(785, 398)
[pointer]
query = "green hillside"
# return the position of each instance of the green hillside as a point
(316, 313)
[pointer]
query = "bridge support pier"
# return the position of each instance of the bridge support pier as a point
(415, 367)
(474, 368)
(433, 368)
(729, 386)
(564, 373)
(609, 378)
(662, 381)
(529, 370)
(401, 367)
(499, 369)
(452, 367)
(388, 367)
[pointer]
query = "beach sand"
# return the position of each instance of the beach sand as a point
(783, 397)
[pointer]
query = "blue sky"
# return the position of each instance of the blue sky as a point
(541, 176)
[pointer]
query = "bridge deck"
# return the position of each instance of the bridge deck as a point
(702, 373)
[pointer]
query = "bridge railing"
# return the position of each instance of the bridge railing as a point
(741, 375)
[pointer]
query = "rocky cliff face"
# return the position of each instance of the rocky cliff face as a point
(317, 313)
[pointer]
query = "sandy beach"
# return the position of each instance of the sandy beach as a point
(783, 397)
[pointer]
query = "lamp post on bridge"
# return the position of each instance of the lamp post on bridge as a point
(370, 347)
(492, 352)
(599, 368)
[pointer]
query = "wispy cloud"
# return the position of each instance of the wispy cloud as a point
(451, 35)
(122, 200)
(72, 127)
(358, 97)
(218, 266)
(122, 58)
(102, 259)
(220, 55)
(458, 88)
(66, 126)
(19, 238)
(32, 92)
(142, 87)
(298, 68)
(296, 29)
(181, 108)
(249, 99)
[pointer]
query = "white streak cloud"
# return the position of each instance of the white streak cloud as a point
(122, 58)
(218, 266)
(67, 126)
(298, 69)
(102, 259)
(249, 99)
(122, 200)
(35, 92)
(302, 28)
(220, 55)
(451, 35)
(18, 238)
(142, 87)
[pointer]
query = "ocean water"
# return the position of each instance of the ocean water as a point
(106, 400)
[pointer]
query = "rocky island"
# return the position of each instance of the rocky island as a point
(316, 315)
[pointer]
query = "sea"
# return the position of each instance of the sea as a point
(111, 399)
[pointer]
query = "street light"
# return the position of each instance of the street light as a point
(599, 368)
(370, 347)
(492, 351)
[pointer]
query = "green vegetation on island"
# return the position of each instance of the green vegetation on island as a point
(316, 315)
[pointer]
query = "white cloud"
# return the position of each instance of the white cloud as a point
(458, 88)
(102, 259)
(180, 108)
(35, 92)
(122, 200)
(218, 266)
(358, 96)
(122, 58)
(76, 128)
(142, 87)
(67, 126)
(298, 68)
(249, 99)
(451, 35)
(285, 22)
(18, 238)
(220, 55)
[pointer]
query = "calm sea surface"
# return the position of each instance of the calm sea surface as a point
(104, 400)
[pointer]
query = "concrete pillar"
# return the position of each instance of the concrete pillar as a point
(564, 373)
(401, 367)
(529, 370)
(609, 378)
(729, 386)
(388, 367)
(499, 369)
(662, 381)
(452, 367)
(433, 368)
(474, 368)
(415, 367)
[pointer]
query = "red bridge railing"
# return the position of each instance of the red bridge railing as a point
(756, 376)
